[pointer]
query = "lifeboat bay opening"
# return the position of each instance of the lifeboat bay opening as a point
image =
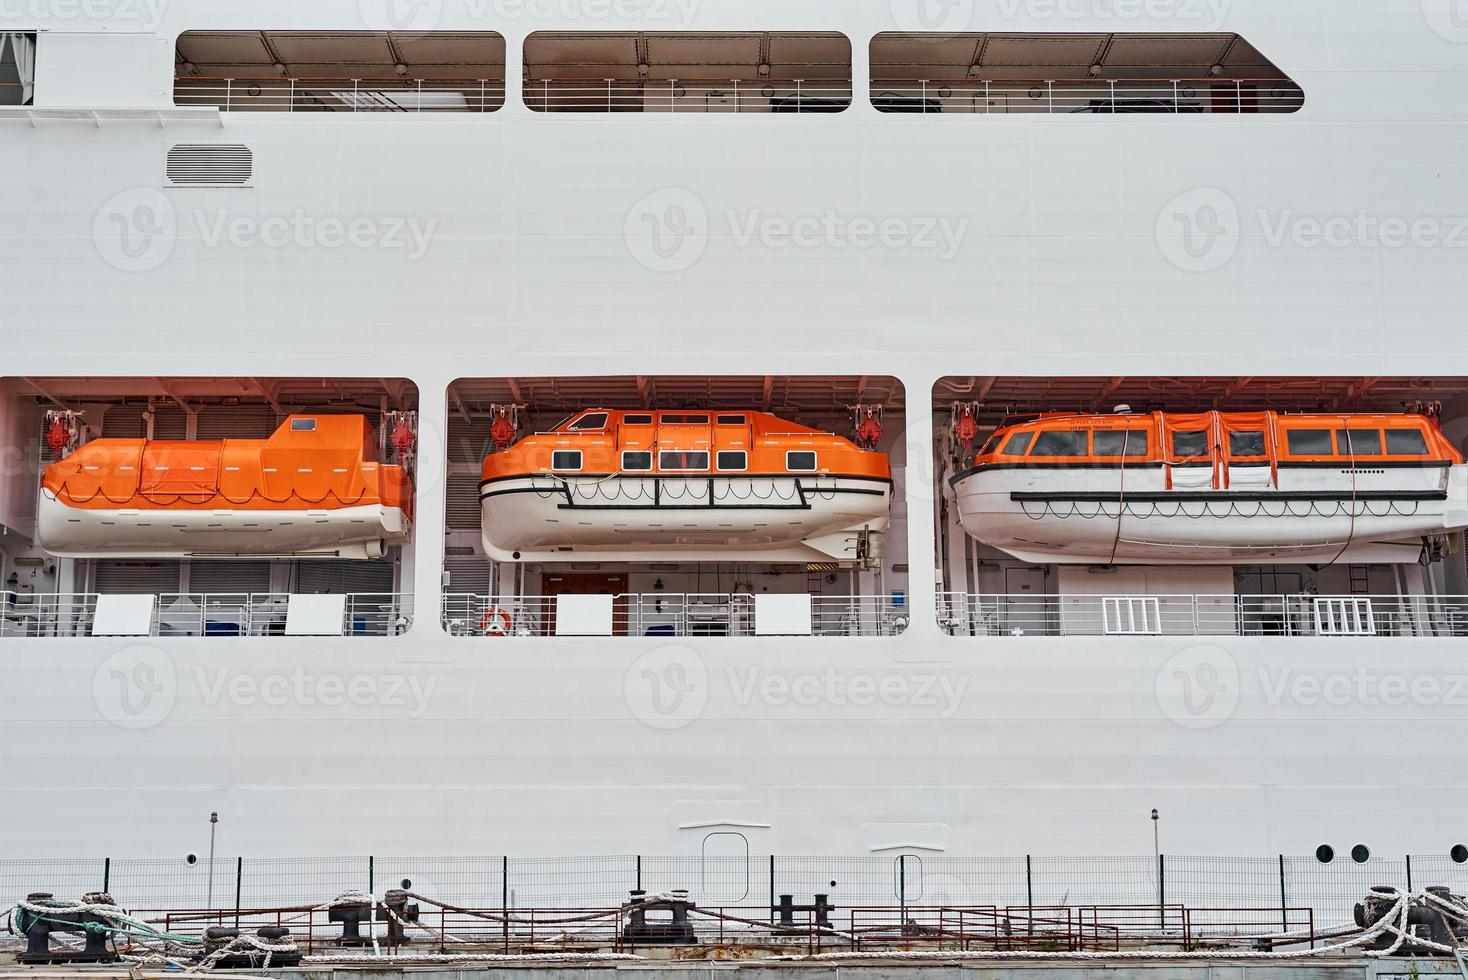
(207, 506)
(676, 506)
(1134, 506)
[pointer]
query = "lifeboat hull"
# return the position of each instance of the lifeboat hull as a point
(359, 532)
(622, 518)
(1304, 516)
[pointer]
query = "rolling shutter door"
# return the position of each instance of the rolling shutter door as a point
(133, 577)
(468, 573)
(463, 501)
(235, 422)
(229, 577)
(337, 577)
(468, 440)
(124, 422)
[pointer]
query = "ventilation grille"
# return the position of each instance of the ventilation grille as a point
(210, 164)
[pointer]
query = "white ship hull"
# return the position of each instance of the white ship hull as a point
(791, 519)
(545, 745)
(361, 532)
(1096, 516)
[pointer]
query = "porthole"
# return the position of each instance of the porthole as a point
(1459, 853)
(1360, 854)
(406, 884)
(1325, 854)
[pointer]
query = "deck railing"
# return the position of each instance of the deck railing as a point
(181, 614)
(342, 94)
(970, 614)
(1131, 96)
(669, 614)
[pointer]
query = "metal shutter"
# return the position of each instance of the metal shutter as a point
(463, 501)
(322, 576)
(468, 439)
(224, 577)
(236, 422)
(124, 422)
(136, 576)
(468, 573)
(170, 422)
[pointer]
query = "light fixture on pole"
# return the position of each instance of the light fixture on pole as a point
(1157, 863)
(213, 825)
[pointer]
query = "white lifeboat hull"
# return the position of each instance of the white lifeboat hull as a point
(624, 518)
(360, 532)
(1086, 515)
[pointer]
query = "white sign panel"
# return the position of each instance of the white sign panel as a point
(583, 615)
(124, 615)
(782, 615)
(315, 615)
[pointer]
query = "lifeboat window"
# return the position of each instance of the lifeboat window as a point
(733, 460)
(1063, 442)
(671, 419)
(1246, 444)
(1018, 443)
(303, 425)
(595, 420)
(632, 460)
(1111, 443)
(989, 446)
(730, 420)
(637, 420)
(566, 459)
(800, 461)
(1310, 442)
(1186, 444)
(682, 459)
(1358, 442)
(1405, 442)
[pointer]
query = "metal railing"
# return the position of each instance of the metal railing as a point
(1131, 96)
(669, 614)
(200, 614)
(1028, 614)
(688, 95)
(342, 94)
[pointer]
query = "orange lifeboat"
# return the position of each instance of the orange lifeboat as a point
(313, 488)
(731, 485)
(1214, 487)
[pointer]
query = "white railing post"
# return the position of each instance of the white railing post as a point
(799, 99)
(1050, 94)
(1176, 106)
(228, 92)
(292, 96)
(482, 101)
(737, 107)
(420, 96)
(356, 94)
(1111, 86)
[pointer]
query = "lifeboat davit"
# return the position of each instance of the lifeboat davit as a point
(1214, 487)
(729, 485)
(314, 488)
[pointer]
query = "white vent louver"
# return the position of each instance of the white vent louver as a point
(210, 165)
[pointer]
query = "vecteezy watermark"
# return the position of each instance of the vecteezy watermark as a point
(1198, 230)
(1447, 18)
(1202, 229)
(1206, 14)
(925, 17)
(938, 693)
(137, 230)
(425, 15)
(304, 688)
(669, 229)
(144, 15)
(1364, 686)
(135, 687)
(667, 687)
(1198, 687)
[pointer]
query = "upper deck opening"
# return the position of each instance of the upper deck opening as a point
(752, 71)
(17, 68)
(1084, 74)
(340, 71)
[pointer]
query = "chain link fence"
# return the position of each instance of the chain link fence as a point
(1199, 882)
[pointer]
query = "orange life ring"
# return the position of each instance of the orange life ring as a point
(495, 622)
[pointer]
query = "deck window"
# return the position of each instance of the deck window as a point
(683, 459)
(1060, 442)
(733, 460)
(1358, 442)
(566, 459)
(1245, 444)
(670, 418)
(730, 420)
(800, 461)
(1405, 442)
(1189, 444)
(596, 420)
(637, 420)
(636, 460)
(1310, 442)
(1112, 443)
(1018, 443)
